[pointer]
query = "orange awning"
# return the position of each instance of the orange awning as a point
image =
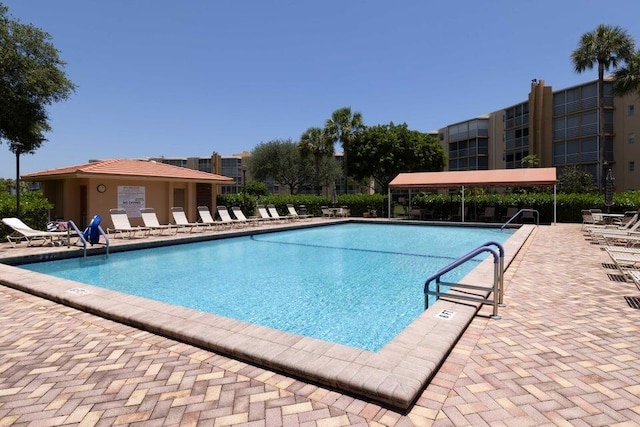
(478, 178)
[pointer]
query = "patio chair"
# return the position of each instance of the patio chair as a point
(150, 220)
(264, 214)
(182, 222)
(240, 216)
(207, 220)
(342, 211)
(226, 219)
(327, 212)
(294, 214)
(122, 227)
(274, 214)
(511, 211)
(489, 214)
(22, 231)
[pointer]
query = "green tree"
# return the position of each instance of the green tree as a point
(530, 161)
(573, 179)
(281, 161)
(605, 47)
(32, 78)
(255, 188)
(626, 80)
(344, 126)
(384, 151)
(317, 143)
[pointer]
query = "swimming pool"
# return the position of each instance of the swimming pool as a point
(355, 284)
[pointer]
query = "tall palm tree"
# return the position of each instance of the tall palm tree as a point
(344, 126)
(626, 80)
(607, 47)
(318, 143)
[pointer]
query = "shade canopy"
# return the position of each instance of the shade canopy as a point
(478, 178)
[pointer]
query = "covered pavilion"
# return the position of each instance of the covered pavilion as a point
(526, 177)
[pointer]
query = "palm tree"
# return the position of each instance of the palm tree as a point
(344, 126)
(606, 46)
(626, 80)
(318, 143)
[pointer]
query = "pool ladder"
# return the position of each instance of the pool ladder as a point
(461, 291)
(72, 225)
(518, 213)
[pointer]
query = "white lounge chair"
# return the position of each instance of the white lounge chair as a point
(22, 231)
(240, 216)
(122, 226)
(225, 218)
(273, 212)
(294, 214)
(264, 214)
(207, 219)
(150, 220)
(180, 218)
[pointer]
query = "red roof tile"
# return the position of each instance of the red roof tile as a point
(132, 168)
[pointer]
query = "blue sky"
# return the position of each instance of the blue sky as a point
(186, 78)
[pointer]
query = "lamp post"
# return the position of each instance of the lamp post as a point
(17, 146)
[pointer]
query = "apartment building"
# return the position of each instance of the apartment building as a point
(559, 127)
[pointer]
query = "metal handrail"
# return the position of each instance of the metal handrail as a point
(498, 283)
(106, 238)
(518, 213)
(71, 224)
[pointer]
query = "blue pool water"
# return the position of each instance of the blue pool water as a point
(354, 284)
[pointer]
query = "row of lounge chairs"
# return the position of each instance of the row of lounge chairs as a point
(123, 228)
(620, 238)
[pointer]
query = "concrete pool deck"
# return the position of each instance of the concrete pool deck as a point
(549, 359)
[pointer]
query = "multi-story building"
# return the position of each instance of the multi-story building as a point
(559, 128)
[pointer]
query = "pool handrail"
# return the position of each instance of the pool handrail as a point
(518, 213)
(72, 225)
(498, 284)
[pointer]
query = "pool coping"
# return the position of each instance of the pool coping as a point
(393, 376)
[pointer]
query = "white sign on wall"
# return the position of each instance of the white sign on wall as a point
(131, 198)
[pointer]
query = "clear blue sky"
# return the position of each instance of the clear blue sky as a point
(186, 78)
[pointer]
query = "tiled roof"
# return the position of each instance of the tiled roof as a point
(133, 168)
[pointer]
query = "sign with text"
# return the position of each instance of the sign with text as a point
(131, 198)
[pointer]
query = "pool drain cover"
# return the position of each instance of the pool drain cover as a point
(634, 302)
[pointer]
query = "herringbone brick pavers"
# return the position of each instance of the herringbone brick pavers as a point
(566, 352)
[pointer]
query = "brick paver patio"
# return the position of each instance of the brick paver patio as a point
(566, 352)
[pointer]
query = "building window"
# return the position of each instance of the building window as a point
(632, 109)
(632, 166)
(632, 138)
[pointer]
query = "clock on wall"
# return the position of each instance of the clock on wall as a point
(101, 188)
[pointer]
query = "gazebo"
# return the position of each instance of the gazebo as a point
(526, 177)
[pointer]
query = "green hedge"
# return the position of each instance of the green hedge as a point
(567, 209)
(34, 210)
